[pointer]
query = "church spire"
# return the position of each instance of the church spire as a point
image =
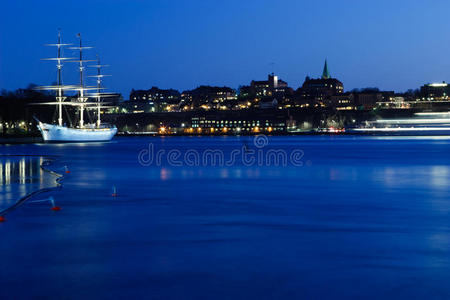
(326, 73)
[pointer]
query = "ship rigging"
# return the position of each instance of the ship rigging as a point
(83, 100)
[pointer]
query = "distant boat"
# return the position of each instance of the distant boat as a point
(82, 132)
(422, 124)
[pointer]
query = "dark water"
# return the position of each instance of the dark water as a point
(356, 218)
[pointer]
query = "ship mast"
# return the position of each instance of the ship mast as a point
(99, 94)
(81, 96)
(59, 81)
(59, 88)
(99, 83)
(81, 88)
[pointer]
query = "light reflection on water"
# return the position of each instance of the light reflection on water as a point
(19, 176)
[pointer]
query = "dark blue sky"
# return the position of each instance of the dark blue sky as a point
(182, 44)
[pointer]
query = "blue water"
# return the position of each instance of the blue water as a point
(354, 218)
(21, 175)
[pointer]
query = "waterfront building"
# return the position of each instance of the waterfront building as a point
(209, 97)
(320, 89)
(237, 123)
(269, 87)
(163, 100)
(269, 103)
(397, 101)
(341, 101)
(263, 93)
(368, 99)
(134, 107)
(435, 91)
(186, 103)
(371, 98)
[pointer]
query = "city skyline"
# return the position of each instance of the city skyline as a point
(183, 45)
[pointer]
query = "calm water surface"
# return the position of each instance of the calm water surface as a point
(361, 218)
(19, 176)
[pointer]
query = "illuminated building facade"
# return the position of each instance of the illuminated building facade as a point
(209, 98)
(268, 87)
(135, 107)
(341, 101)
(237, 124)
(161, 100)
(435, 91)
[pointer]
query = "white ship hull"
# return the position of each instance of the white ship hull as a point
(56, 133)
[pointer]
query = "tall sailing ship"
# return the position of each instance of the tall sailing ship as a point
(87, 98)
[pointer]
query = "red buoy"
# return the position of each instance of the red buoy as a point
(2, 219)
(56, 208)
(67, 171)
(114, 194)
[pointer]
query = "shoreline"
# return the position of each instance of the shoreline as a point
(47, 162)
(20, 140)
(34, 140)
